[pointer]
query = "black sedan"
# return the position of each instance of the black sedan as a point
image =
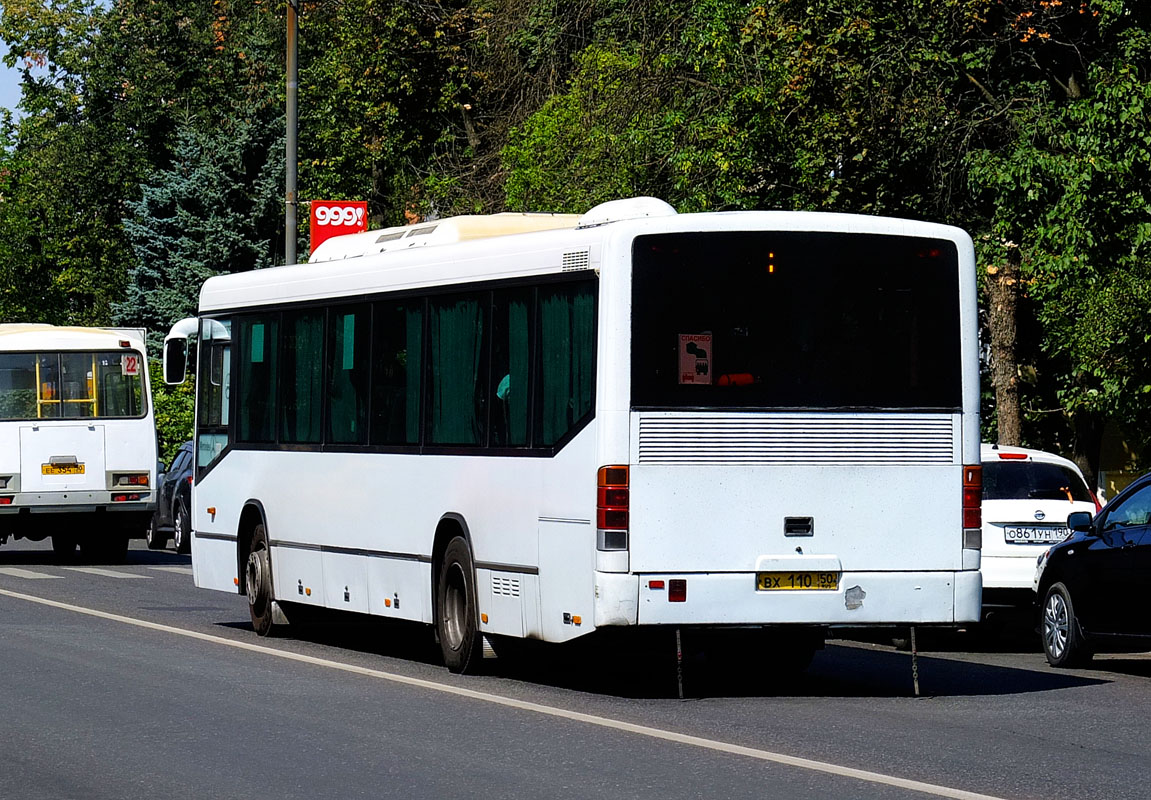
(1090, 585)
(172, 517)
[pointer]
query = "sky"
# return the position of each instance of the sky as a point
(9, 83)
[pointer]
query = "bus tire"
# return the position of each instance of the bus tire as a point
(457, 612)
(153, 537)
(110, 547)
(64, 547)
(182, 530)
(258, 582)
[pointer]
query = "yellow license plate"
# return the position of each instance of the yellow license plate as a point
(789, 581)
(62, 469)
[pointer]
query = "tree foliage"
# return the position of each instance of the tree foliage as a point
(147, 154)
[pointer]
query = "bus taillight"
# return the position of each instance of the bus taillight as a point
(972, 502)
(611, 512)
(130, 479)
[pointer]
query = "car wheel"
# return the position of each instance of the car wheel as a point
(182, 530)
(258, 583)
(152, 535)
(457, 616)
(1063, 641)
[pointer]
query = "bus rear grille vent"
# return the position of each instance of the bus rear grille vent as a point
(796, 439)
(506, 586)
(576, 260)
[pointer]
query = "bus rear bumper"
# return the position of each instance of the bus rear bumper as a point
(862, 598)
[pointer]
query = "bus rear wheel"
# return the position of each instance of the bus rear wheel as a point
(64, 546)
(110, 547)
(457, 611)
(258, 582)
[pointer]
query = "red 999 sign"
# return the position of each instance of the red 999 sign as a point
(336, 217)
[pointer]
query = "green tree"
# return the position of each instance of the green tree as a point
(105, 89)
(378, 78)
(214, 210)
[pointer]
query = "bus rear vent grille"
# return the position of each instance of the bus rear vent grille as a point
(796, 439)
(506, 586)
(575, 260)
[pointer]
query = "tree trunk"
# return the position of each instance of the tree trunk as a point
(1002, 301)
(1087, 444)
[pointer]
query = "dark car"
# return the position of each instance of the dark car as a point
(172, 517)
(1090, 586)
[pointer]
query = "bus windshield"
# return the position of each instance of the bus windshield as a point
(795, 320)
(88, 384)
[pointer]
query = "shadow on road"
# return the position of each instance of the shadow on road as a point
(643, 664)
(40, 554)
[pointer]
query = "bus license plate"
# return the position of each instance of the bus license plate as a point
(1035, 535)
(62, 469)
(786, 581)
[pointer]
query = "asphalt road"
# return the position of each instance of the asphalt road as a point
(127, 682)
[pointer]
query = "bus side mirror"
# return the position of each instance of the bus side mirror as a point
(175, 360)
(1079, 521)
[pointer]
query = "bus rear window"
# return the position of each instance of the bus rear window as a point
(795, 320)
(71, 384)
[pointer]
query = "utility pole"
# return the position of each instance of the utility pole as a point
(290, 140)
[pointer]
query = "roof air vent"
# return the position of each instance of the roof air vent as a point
(631, 208)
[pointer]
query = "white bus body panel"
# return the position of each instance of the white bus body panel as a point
(41, 442)
(530, 522)
(710, 491)
(863, 598)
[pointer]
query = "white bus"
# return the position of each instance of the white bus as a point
(637, 418)
(77, 438)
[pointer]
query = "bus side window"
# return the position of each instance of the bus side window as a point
(566, 377)
(397, 355)
(348, 346)
(457, 388)
(301, 377)
(511, 359)
(258, 349)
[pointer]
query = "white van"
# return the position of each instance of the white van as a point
(1027, 495)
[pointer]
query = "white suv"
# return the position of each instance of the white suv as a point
(1027, 495)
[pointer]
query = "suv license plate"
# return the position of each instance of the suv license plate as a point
(1035, 535)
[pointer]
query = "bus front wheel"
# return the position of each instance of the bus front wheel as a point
(457, 609)
(258, 581)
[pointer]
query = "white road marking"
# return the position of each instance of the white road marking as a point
(178, 570)
(106, 573)
(551, 711)
(16, 572)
